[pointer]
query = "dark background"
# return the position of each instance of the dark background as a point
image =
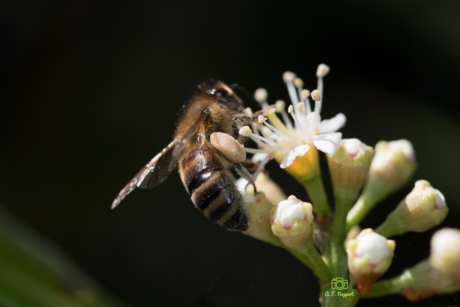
(90, 92)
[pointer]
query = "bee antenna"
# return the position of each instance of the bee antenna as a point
(238, 87)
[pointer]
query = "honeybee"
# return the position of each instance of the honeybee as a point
(204, 170)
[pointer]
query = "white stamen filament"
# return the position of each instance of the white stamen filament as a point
(320, 88)
(254, 151)
(283, 136)
(269, 142)
(287, 121)
(299, 127)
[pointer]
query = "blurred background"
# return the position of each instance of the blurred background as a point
(90, 92)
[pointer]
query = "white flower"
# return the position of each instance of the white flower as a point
(290, 140)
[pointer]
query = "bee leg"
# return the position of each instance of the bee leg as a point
(250, 165)
(238, 122)
(243, 172)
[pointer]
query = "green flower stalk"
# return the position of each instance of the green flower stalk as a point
(424, 208)
(392, 167)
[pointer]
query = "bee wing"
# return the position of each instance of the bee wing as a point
(160, 167)
(151, 175)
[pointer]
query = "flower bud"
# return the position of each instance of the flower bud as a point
(292, 222)
(421, 210)
(445, 253)
(369, 256)
(272, 191)
(259, 211)
(349, 167)
(392, 167)
(425, 281)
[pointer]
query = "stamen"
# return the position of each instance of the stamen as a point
(298, 82)
(248, 112)
(267, 132)
(322, 70)
(261, 97)
(245, 131)
(300, 130)
(316, 95)
(261, 119)
(280, 108)
(305, 94)
(279, 124)
(280, 105)
(254, 151)
(300, 107)
(290, 109)
(278, 133)
(288, 77)
(269, 142)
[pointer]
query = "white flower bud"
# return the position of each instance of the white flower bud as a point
(422, 209)
(369, 256)
(292, 217)
(445, 253)
(349, 167)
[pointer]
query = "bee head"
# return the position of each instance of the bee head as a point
(224, 94)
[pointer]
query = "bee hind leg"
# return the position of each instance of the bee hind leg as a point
(243, 172)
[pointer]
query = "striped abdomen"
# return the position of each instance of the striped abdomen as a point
(213, 190)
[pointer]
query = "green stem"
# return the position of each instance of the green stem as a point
(311, 258)
(326, 301)
(387, 230)
(390, 286)
(358, 212)
(317, 193)
(342, 207)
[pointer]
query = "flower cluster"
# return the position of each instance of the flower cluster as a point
(328, 239)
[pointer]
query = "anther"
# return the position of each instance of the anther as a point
(246, 131)
(322, 70)
(305, 94)
(279, 106)
(298, 82)
(261, 95)
(261, 119)
(289, 76)
(316, 95)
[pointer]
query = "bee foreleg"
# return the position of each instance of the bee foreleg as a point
(243, 172)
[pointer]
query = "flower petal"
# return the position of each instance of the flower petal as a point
(328, 142)
(333, 124)
(298, 151)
